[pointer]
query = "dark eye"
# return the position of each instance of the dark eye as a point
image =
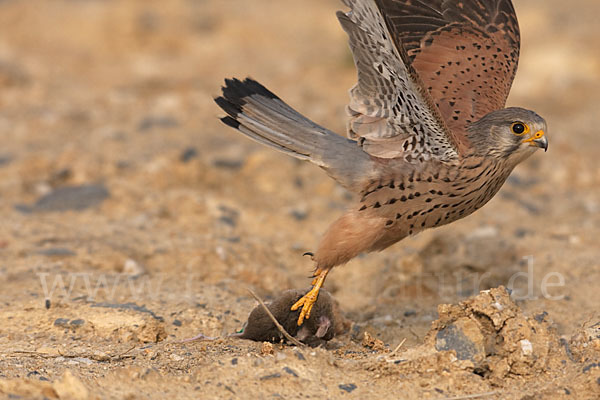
(519, 128)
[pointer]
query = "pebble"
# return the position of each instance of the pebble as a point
(152, 122)
(271, 376)
(228, 164)
(483, 233)
(453, 337)
(526, 347)
(57, 252)
(290, 371)
(100, 356)
(61, 322)
(133, 268)
(188, 155)
(5, 160)
(68, 198)
(348, 387)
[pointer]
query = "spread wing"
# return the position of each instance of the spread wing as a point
(392, 115)
(465, 52)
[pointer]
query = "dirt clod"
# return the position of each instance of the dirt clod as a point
(267, 349)
(372, 343)
(491, 331)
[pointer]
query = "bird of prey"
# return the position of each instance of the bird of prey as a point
(429, 140)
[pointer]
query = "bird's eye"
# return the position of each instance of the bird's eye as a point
(519, 128)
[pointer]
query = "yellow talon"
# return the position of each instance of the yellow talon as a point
(309, 299)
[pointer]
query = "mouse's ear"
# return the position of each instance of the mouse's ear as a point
(324, 325)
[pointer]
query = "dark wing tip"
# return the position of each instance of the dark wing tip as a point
(235, 90)
(234, 123)
(229, 106)
(253, 87)
(234, 96)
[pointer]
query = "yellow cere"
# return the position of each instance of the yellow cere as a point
(538, 135)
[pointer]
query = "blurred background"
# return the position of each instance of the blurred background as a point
(113, 161)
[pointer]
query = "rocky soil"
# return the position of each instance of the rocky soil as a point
(132, 219)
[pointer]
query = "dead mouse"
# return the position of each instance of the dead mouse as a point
(324, 323)
(319, 328)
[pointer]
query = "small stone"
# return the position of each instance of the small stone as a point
(541, 316)
(84, 360)
(464, 337)
(57, 252)
(483, 233)
(299, 214)
(271, 376)
(188, 155)
(588, 367)
(526, 347)
(290, 371)
(100, 356)
(76, 323)
(177, 322)
(176, 357)
(68, 198)
(133, 268)
(35, 374)
(61, 322)
(267, 349)
(229, 216)
(521, 232)
(5, 160)
(228, 164)
(348, 387)
(153, 122)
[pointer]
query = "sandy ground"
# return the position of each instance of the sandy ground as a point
(131, 218)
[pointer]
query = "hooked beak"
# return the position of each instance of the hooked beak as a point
(538, 140)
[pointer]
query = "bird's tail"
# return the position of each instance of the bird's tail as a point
(262, 116)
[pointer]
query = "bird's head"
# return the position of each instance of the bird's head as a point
(511, 133)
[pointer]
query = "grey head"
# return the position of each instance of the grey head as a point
(511, 134)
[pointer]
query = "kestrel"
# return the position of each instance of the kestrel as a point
(429, 141)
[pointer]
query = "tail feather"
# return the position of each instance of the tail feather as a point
(262, 116)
